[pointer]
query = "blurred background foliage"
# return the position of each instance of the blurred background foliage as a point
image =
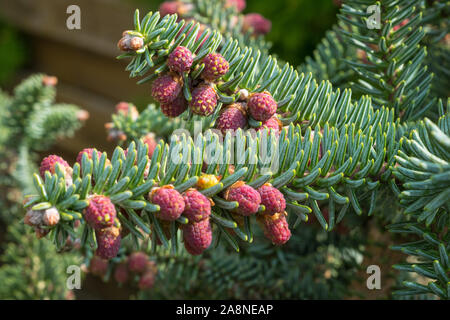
(298, 25)
(13, 53)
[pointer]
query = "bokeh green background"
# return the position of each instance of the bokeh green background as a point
(297, 25)
(13, 52)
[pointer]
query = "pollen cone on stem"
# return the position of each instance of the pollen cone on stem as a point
(147, 280)
(247, 197)
(166, 88)
(108, 241)
(272, 125)
(197, 236)
(100, 212)
(91, 152)
(197, 206)
(257, 24)
(150, 140)
(180, 60)
(137, 262)
(204, 100)
(127, 109)
(232, 117)
(174, 108)
(275, 227)
(216, 66)
(49, 164)
(121, 273)
(98, 266)
(272, 199)
(170, 202)
(262, 106)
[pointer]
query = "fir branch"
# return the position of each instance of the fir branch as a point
(424, 171)
(31, 269)
(124, 128)
(328, 60)
(319, 164)
(34, 118)
(394, 70)
(304, 99)
(49, 124)
(338, 164)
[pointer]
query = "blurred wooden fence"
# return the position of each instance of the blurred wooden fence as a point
(83, 60)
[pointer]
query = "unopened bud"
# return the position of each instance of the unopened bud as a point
(129, 42)
(136, 43)
(82, 115)
(49, 81)
(51, 217)
(33, 218)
